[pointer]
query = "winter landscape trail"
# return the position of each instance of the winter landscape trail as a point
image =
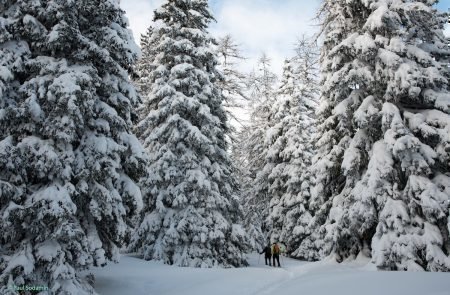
(138, 277)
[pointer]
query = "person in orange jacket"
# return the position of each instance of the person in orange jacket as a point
(276, 254)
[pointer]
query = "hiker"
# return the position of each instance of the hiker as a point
(268, 254)
(276, 254)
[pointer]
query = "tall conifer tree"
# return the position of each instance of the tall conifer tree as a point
(191, 215)
(233, 81)
(252, 147)
(382, 171)
(290, 149)
(68, 161)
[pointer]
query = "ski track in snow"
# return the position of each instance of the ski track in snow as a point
(272, 288)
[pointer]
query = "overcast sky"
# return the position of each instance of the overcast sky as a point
(270, 26)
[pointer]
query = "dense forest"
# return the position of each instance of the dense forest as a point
(107, 146)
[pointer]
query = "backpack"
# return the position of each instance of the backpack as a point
(276, 249)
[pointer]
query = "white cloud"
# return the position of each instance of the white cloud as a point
(270, 26)
(140, 14)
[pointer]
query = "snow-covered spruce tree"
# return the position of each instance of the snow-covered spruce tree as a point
(333, 129)
(191, 214)
(251, 147)
(278, 168)
(290, 149)
(68, 162)
(382, 171)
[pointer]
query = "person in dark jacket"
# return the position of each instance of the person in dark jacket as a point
(267, 254)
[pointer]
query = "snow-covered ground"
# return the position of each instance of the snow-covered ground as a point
(138, 277)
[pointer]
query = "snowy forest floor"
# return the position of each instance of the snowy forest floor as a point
(138, 277)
